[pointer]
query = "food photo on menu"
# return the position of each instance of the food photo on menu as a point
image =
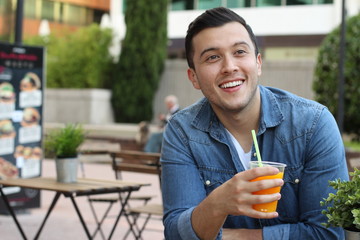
(30, 82)
(7, 136)
(31, 117)
(7, 129)
(30, 130)
(7, 100)
(30, 93)
(7, 93)
(28, 160)
(7, 169)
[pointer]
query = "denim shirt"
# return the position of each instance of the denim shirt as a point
(198, 156)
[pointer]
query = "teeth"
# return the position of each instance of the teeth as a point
(231, 84)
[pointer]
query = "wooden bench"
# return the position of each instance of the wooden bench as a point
(125, 143)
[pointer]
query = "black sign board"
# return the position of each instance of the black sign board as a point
(22, 82)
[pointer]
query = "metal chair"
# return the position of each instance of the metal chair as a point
(141, 162)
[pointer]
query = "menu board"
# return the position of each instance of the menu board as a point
(21, 106)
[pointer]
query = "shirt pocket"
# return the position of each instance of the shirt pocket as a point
(213, 177)
(288, 205)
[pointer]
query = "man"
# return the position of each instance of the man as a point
(172, 106)
(207, 193)
(155, 140)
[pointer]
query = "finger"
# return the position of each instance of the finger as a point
(265, 198)
(272, 184)
(262, 215)
(257, 172)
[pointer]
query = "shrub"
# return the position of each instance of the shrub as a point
(138, 72)
(344, 206)
(327, 72)
(77, 60)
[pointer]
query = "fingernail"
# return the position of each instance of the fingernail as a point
(279, 196)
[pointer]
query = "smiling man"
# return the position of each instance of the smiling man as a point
(206, 180)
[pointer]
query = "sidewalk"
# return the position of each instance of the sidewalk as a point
(63, 222)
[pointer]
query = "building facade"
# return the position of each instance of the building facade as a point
(286, 29)
(62, 15)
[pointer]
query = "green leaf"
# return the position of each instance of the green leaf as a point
(344, 206)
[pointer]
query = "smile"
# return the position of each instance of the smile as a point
(231, 84)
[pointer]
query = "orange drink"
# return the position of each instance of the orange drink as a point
(271, 206)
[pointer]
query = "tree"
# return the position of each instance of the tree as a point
(137, 74)
(327, 72)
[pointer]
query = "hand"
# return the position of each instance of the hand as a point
(235, 196)
(242, 234)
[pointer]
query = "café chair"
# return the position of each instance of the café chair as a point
(140, 162)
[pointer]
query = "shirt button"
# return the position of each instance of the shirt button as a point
(297, 180)
(254, 154)
(207, 182)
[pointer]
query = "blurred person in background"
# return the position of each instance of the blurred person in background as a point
(155, 139)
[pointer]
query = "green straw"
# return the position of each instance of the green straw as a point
(256, 148)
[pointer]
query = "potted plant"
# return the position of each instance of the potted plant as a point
(63, 145)
(344, 206)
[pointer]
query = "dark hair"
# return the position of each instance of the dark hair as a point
(215, 17)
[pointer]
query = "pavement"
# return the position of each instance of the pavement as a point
(63, 223)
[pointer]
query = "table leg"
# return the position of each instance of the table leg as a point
(80, 217)
(123, 203)
(9, 208)
(57, 195)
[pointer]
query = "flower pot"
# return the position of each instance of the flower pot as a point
(351, 235)
(66, 169)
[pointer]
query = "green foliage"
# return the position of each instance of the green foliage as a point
(327, 72)
(344, 206)
(64, 142)
(78, 60)
(353, 145)
(137, 75)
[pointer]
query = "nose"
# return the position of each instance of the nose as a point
(229, 65)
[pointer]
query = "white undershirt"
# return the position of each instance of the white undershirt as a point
(244, 157)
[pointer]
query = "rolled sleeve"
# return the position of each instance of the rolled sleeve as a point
(184, 225)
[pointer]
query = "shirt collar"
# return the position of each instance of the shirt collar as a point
(271, 114)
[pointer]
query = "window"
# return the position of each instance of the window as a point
(238, 3)
(207, 4)
(47, 10)
(325, 1)
(74, 15)
(182, 5)
(30, 8)
(265, 3)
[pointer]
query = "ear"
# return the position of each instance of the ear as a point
(259, 63)
(193, 78)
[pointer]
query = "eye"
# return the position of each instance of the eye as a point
(240, 52)
(212, 58)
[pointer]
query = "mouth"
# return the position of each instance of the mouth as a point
(231, 84)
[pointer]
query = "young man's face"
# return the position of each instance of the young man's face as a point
(226, 68)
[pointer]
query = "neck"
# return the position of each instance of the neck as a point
(240, 123)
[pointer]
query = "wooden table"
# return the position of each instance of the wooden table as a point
(83, 187)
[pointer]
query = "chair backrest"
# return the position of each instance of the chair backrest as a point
(136, 161)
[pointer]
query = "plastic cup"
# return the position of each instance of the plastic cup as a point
(271, 206)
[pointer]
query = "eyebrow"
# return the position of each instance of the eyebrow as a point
(213, 48)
